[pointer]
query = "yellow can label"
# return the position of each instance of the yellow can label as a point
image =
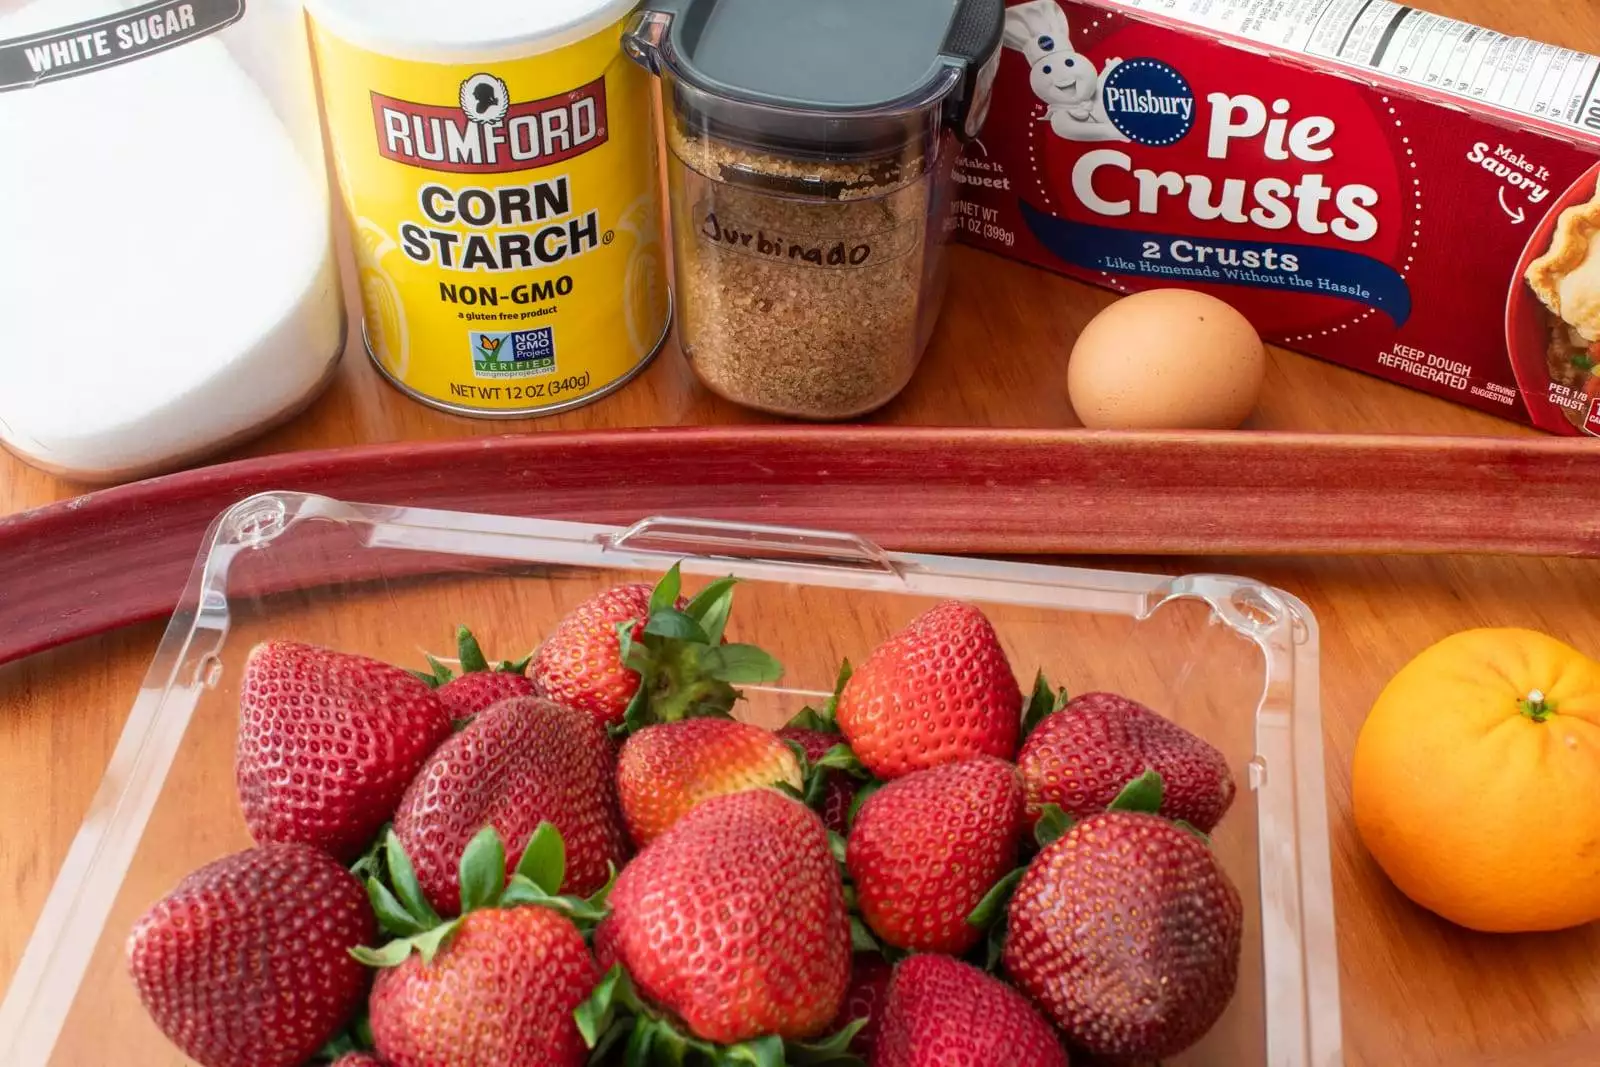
(506, 220)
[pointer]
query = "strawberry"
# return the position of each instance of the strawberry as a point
(1080, 758)
(501, 992)
(328, 743)
(246, 962)
(359, 1059)
(927, 848)
(945, 1013)
(496, 986)
(666, 770)
(522, 762)
(634, 655)
(864, 999)
(940, 690)
(1126, 932)
(479, 684)
(838, 788)
(734, 921)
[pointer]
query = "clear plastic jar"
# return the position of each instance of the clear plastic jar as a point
(809, 240)
(170, 283)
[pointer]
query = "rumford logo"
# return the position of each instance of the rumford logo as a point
(485, 133)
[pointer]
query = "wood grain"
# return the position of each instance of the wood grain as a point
(995, 491)
(1416, 992)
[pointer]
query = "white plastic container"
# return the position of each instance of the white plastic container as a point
(168, 281)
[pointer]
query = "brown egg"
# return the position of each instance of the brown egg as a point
(1166, 359)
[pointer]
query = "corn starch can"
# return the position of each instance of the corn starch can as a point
(498, 165)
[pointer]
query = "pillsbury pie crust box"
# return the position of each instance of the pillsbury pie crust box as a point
(1397, 192)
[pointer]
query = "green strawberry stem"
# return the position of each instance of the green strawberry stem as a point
(403, 910)
(1536, 705)
(615, 1011)
(684, 669)
(471, 660)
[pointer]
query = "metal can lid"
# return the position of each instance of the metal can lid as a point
(465, 31)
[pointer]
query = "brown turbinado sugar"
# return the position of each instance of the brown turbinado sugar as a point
(806, 287)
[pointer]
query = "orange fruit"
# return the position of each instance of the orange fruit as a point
(1476, 781)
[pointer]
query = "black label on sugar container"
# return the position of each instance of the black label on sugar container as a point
(119, 37)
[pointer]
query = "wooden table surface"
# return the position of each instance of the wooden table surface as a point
(1415, 991)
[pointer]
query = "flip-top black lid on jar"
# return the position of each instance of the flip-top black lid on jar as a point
(821, 78)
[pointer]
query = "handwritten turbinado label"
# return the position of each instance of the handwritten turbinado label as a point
(841, 251)
(120, 37)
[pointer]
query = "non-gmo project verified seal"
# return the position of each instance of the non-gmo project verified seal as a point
(514, 353)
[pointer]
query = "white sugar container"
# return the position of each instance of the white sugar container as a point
(168, 282)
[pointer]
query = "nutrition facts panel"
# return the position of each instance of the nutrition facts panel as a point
(1541, 80)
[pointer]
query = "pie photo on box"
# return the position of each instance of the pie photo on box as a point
(1566, 279)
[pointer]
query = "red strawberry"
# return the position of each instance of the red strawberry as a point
(247, 962)
(1081, 757)
(671, 664)
(1126, 932)
(926, 848)
(480, 684)
(869, 989)
(469, 694)
(328, 743)
(666, 770)
(734, 920)
(359, 1059)
(938, 691)
(580, 663)
(501, 991)
(945, 1013)
(522, 762)
(838, 787)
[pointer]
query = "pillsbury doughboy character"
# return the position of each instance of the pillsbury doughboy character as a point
(1067, 82)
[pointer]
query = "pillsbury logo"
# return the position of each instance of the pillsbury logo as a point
(1148, 101)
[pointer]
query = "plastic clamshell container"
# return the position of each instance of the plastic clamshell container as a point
(1231, 659)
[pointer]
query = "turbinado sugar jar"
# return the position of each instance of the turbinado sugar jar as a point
(168, 283)
(810, 164)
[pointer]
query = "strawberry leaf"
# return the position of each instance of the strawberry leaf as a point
(1143, 794)
(483, 870)
(1192, 829)
(1045, 701)
(544, 860)
(994, 902)
(842, 757)
(711, 607)
(862, 796)
(392, 915)
(837, 846)
(760, 1052)
(391, 955)
(994, 945)
(667, 589)
(370, 865)
(673, 624)
(740, 665)
(640, 1044)
(430, 942)
(596, 1014)
(403, 877)
(1053, 822)
(441, 673)
(515, 666)
(469, 652)
(831, 1050)
(861, 939)
(637, 714)
(831, 708)
(809, 718)
(789, 790)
